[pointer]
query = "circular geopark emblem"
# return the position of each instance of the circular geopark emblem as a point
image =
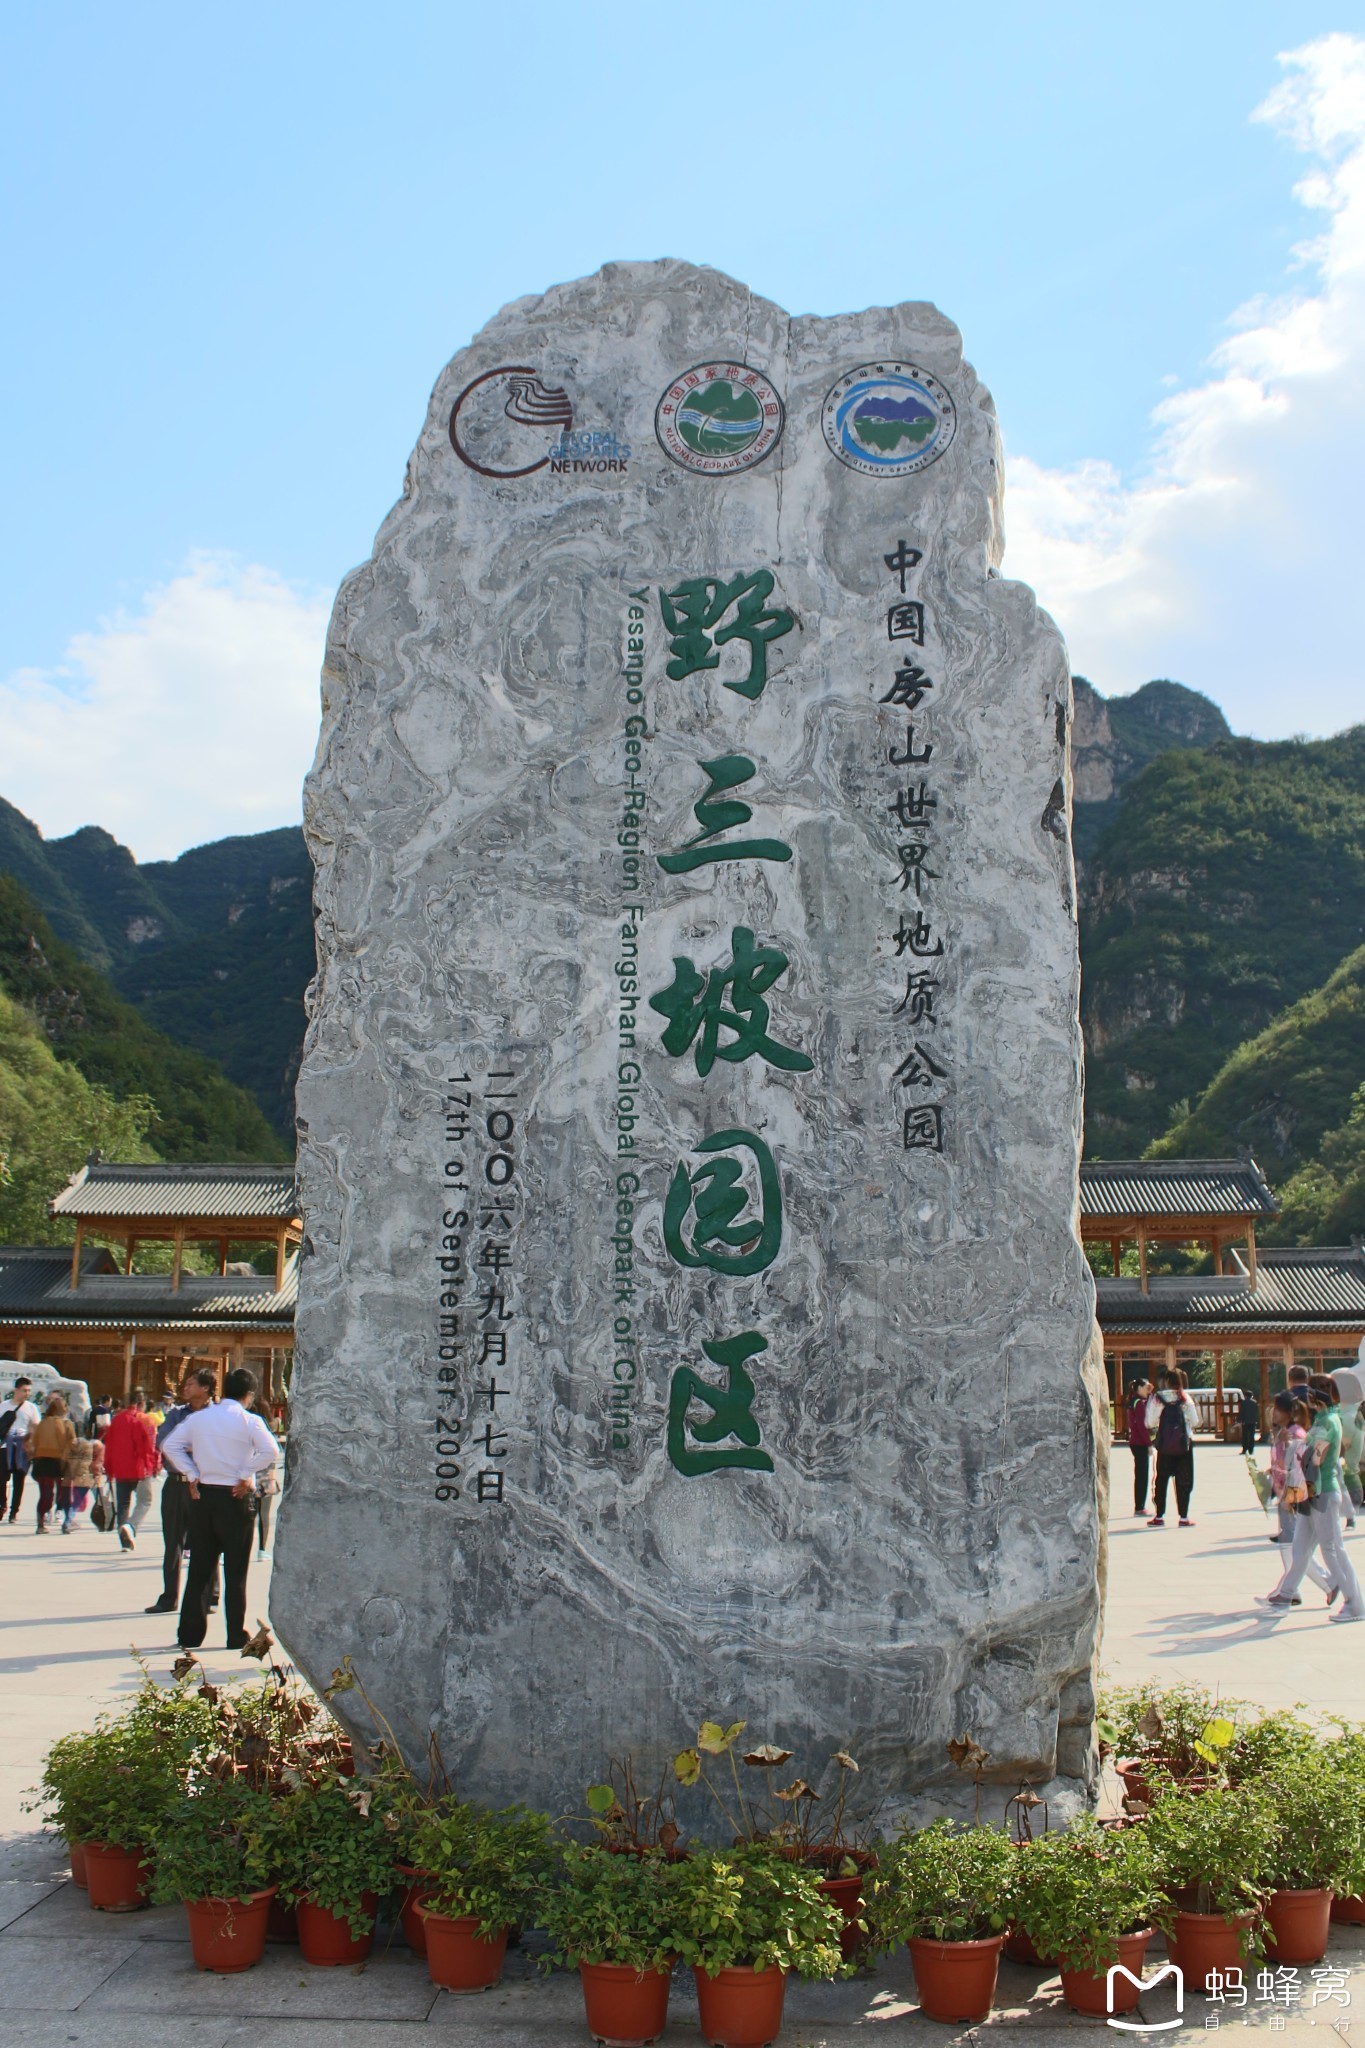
(718, 418)
(889, 419)
(506, 422)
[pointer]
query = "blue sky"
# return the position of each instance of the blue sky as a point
(241, 246)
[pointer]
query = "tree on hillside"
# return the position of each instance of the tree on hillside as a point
(50, 1118)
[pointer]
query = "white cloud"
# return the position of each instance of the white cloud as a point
(1232, 564)
(195, 718)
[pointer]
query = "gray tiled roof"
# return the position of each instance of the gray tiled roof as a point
(105, 1188)
(35, 1288)
(1216, 1188)
(1323, 1287)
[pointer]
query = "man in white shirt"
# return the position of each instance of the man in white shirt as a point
(219, 1451)
(18, 1415)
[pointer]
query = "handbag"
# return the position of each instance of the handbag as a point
(102, 1507)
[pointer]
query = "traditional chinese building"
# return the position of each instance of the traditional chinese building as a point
(1282, 1305)
(83, 1309)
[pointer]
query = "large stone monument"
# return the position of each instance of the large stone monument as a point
(692, 1317)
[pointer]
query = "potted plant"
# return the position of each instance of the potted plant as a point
(626, 1821)
(946, 1891)
(1315, 1850)
(1159, 1734)
(761, 1810)
(744, 1919)
(610, 1917)
(485, 1872)
(216, 1853)
(1087, 1897)
(1209, 1849)
(1347, 1753)
(335, 1863)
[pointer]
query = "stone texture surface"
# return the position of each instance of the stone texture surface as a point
(922, 1557)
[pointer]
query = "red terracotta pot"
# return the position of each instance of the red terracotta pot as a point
(1088, 1991)
(1297, 1924)
(227, 1935)
(1138, 1787)
(1204, 1942)
(76, 1851)
(956, 1979)
(327, 1940)
(740, 2007)
(458, 1957)
(282, 1922)
(117, 1879)
(1351, 1910)
(624, 2009)
(416, 1893)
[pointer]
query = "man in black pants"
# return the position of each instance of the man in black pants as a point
(220, 1450)
(198, 1389)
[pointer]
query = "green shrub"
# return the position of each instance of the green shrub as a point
(334, 1847)
(490, 1866)
(612, 1908)
(1077, 1891)
(219, 1842)
(942, 1883)
(752, 1907)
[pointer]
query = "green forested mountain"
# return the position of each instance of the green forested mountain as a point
(196, 1113)
(1230, 883)
(215, 949)
(1222, 902)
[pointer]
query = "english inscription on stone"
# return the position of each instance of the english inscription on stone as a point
(693, 1320)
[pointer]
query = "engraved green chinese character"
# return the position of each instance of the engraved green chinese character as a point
(731, 1412)
(718, 1199)
(695, 1006)
(726, 772)
(693, 615)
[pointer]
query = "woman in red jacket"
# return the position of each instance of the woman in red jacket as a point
(132, 1461)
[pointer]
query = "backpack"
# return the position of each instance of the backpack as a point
(7, 1422)
(1173, 1429)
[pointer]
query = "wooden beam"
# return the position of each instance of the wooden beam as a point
(1142, 1260)
(179, 1262)
(76, 1257)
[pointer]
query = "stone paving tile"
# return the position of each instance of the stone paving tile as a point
(68, 1911)
(160, 1977)
(120, 2030)
(19, 1895)
(35, 1977)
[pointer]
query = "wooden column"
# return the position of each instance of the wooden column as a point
(1218, 1252)
(1218, 1395)
(222, 1254)
(280, 1240)
(128, 1254)
(1251, 1257)
(1265, 1396)
(1170, 1357)
(1142, 1259)
(76, 1256)
(1288, 1357)
(179, 1257)
(1116, 1251)
(129, 1347)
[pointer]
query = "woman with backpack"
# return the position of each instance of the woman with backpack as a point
(1140, 1442)
(1170, 1424)
(1318, 1518)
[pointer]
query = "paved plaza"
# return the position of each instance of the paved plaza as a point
(1180, 1607)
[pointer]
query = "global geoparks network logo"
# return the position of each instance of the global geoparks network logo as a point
(889, 419)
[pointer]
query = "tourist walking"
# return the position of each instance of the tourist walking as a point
(1140, 1442)
(220, 1450)
(1170, 1420)
(1347, 1382)
(132, 1461)
(1319, 1528)
(49, 1446)
(19, 1414)
(198, 1389)
(1248, 1420)
(81, 1474)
